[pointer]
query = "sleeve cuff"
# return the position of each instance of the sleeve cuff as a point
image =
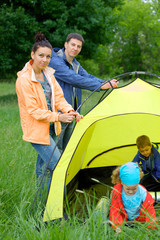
(72, 110)
(56, 117)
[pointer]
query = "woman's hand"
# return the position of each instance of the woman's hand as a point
(66, 117)
(78, 117)
(69, 117)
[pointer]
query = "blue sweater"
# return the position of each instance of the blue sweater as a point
(154, 159)
(72, 76)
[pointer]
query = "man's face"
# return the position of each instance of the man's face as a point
(145, 151)
(73, 47)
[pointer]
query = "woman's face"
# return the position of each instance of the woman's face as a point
(41, 58)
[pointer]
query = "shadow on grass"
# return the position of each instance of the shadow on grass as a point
(10, 98)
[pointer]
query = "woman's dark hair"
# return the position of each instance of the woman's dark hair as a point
(40, 41)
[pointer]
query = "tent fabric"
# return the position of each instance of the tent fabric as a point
(106, 136)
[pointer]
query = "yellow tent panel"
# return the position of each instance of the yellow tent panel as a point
(106, 136)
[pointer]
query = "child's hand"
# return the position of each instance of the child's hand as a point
(118, 230)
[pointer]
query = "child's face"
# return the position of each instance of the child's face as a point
(145, 151)
(130, 189)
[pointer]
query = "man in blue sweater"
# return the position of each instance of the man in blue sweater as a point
(73, 78)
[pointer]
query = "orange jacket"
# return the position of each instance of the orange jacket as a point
(34, 113)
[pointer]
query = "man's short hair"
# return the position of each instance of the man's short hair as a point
(143, 141)
(76, 36)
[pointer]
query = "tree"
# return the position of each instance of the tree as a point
(21, 19)
(15, 39)
(136, 45)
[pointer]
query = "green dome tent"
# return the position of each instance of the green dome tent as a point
(105, 138)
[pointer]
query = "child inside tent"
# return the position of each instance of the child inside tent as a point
(148, 158)
(130, 201)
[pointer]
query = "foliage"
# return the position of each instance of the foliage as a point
(136, 44)
(16, 27)
(21, 19)
(120, 36)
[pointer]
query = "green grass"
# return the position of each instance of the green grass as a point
(7, 88)
(18, 188)
(17, 165)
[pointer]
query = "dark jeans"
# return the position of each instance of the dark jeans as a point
(150, 183)
(64, 136)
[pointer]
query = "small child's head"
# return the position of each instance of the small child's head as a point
(144, 145)
(129, 175)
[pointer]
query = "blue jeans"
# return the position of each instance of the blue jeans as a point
(62, 143)
(44, 154)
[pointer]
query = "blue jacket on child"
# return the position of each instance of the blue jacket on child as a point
(153, 166)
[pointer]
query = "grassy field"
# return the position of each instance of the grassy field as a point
(18, 188)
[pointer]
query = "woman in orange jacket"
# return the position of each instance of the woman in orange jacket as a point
(39, 98)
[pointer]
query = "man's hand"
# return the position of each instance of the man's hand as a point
(114, 83)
